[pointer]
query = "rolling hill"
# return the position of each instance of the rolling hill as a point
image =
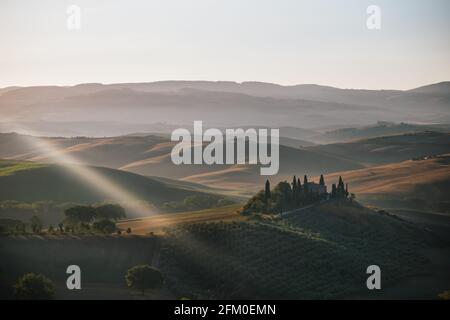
(150, 155)
(32, 182)
(108, 152)
(418, 184)
(382, 128)
(319, 253)
(388, 149)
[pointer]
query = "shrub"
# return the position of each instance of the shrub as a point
(79, 214)
(144, 277)
(33, 286)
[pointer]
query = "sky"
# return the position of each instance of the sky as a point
(281, 41)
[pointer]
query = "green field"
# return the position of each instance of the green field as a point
(8, 168)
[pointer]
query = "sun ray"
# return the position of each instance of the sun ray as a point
(88, 175)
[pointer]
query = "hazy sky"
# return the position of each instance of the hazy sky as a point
(282, 41)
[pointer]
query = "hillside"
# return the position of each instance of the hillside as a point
(103, 259)
(111, 152)
(381, 129)
(388, 149)
(322, 252)
(242, 176)
(418, 184)
(441, 87)
(32, 182)
(319, 253)
(150, 155)
(157, 224)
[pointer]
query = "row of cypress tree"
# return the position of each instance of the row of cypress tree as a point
(288, 196)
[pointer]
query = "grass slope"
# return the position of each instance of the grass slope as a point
(379, 130)
(29, 182)
(426, 180)
(320, 253)
(150, 155)
(389, 149)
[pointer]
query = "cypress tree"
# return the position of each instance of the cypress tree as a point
(333, 190)
(299, 185)
(294, 186)
(305, 184)
(340, 187)
(322, 181)
(267, 190)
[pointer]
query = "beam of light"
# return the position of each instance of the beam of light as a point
(186, 239)
(88, 175)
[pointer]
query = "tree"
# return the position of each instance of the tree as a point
(128, 230)
(322, 181)
(295, 192)
(110, 211)
(305, 184)
(267, 194)
(299, 185)
(144, 277)
(80, 214)
(333, 190)
(340, 187)
(105, 226)
(36, 224)
(257, 203)
(282, 196)
(294, 186)
(33, 286)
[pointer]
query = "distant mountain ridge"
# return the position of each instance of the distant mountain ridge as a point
(306, 106)
(249, 87)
